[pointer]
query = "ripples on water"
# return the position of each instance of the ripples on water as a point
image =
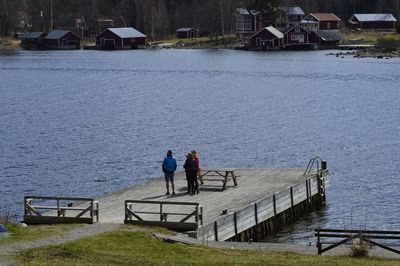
(90, 122)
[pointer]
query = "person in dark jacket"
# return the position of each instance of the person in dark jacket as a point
(169, 167)
(191, 172)
(197, 160)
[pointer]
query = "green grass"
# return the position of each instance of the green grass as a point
(140, 248)
(18, 234)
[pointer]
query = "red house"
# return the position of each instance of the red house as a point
(32, 40)
(373, 22)
(297, 36)
(266, 39)
(187, 33)
(325, 21)
(121, 38)
(62, 39)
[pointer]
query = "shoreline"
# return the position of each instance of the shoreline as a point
(9, 44)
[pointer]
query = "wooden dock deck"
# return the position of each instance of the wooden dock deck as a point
(273, 191)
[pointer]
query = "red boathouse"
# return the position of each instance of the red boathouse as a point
(266, 38)
(187, 33)
(384, 22)
(121, 38)
(297, 36)
(62, 39)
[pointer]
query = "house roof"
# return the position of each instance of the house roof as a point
(292, 10)
(242, 11)
(272, 30)
(374, 17)
(291, 27)
(185, 29)
(32, 35)
(330, 35)
(127, 32)
(325, 16)
(57, 34)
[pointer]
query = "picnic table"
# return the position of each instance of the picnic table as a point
(221, 174)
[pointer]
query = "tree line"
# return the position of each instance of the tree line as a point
(158, 18)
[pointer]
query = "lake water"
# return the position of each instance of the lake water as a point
(90, 122)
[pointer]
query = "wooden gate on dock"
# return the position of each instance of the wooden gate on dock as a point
(178, 216)
(49, 209)
(346, 236)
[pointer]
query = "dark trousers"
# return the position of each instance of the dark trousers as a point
(192, 181)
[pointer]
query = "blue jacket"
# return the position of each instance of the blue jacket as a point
(169, 164)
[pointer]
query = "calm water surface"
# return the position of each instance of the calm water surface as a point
(90, 122)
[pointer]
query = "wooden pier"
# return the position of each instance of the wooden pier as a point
(247, 204)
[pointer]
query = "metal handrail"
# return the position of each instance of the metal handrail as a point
(311, 163)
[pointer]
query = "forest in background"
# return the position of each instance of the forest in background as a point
(158, 18)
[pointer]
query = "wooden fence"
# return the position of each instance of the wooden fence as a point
(367, 236)
(178, 216)
(60, 210)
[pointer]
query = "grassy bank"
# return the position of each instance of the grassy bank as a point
(19, 234)
(9, 43)
(124, 247)
(228, 41)
(370, 37)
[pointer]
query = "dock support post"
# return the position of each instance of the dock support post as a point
(216, 230)
(235, 223)
(274, 201)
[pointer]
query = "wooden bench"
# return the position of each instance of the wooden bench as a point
(218, 175)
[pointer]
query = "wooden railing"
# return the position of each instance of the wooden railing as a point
(166, 214)
(346, 236)
(60, 210)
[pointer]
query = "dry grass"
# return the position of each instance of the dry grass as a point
(370, 37)
(9, 43)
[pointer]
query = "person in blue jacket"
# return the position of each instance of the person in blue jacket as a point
(169, 167)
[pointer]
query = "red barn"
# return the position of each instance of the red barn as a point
(186, 33)
(296, 36)
(121, 38)
(373, 22)
(326, 21)
(62, 39)
(266, 38)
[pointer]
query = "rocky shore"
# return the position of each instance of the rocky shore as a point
(368, 53)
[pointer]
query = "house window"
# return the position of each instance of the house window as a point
(294, 37)
(297, 28)
(328, 25)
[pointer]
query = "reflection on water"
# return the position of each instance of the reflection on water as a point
(90, 122)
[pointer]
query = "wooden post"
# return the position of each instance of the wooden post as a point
(318, 242)
(235, 223)
(196, 217)
(255, 213)
(274, 201)
(307, 188)
(291, 197)
(91, 209)
(161, 212)
(58, 207)
(216, 230)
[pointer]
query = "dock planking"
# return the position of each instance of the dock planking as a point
(255, 187)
